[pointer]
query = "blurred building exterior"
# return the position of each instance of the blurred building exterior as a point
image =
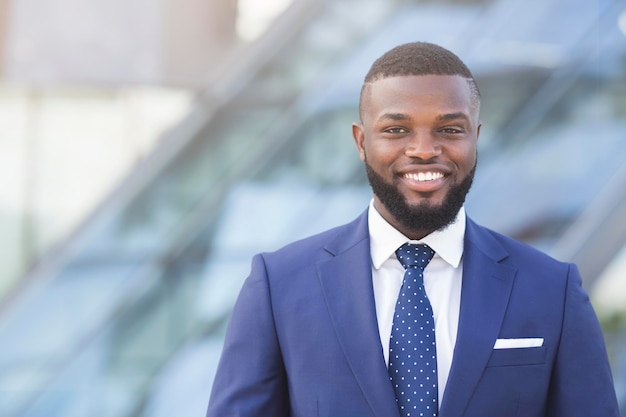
(116, 42)
(149, 149)
(87, 89)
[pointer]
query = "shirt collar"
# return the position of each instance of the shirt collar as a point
(385, 239)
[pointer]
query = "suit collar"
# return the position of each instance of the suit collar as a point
(484, 241)
(348, 236)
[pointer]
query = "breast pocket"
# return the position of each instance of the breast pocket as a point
(518, 357)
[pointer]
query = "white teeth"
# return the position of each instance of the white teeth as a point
(425, 176)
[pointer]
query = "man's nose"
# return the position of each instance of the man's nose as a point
(423, 145)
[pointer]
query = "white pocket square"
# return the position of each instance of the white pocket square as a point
(527, 342)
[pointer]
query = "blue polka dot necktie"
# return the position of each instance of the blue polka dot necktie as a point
(412, 350)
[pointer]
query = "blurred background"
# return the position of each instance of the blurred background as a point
(149, 148)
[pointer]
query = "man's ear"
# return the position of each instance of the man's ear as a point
(358, 133)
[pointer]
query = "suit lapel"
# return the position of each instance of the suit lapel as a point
(346, 281)
(485, 294)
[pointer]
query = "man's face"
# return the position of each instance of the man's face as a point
(418, 140)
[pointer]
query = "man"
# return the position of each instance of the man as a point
(341, 324)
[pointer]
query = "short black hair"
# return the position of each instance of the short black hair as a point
(420, 58)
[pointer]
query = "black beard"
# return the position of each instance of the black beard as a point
(422, 217)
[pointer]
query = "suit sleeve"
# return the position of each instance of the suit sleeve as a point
(250, 379)
(581, 384)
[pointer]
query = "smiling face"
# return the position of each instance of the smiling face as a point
(418, 137)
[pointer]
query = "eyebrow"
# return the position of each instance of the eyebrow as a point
(395, 116)
(441, 117)
(452, 116)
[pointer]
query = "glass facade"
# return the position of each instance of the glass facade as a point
(128, 319)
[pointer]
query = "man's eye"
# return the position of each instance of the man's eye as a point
(451, 130)
(396, 130)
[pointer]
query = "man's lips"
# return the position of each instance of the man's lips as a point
(424, 176)
(424, 181)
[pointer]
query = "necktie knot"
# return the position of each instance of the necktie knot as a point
(414, 255)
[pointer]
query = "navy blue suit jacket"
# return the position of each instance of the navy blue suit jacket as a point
(303, 339)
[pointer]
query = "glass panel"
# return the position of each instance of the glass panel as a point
(132, 324)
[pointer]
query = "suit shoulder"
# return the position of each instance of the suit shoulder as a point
(538, 270)
(522, 251)
(309, 243)
(321, 245)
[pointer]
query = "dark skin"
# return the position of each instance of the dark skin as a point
(419, 133)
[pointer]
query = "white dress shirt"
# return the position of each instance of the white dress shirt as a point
(442, 281)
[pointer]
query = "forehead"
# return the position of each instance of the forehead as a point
(436, 93)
